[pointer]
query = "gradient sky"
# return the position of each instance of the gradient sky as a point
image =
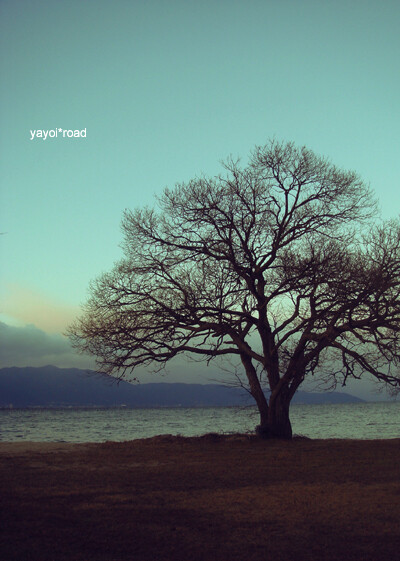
(166, 90)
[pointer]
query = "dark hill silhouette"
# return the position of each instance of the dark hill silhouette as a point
(50, 386)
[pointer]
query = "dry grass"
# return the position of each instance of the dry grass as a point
(211, 498)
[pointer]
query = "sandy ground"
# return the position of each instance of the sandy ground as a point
(209, 498)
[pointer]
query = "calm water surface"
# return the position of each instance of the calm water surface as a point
(365, 420)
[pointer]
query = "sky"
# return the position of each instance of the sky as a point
(163, 91)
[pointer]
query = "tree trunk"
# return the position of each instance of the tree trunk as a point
(256, 389)
(274, 416)
(277, 424)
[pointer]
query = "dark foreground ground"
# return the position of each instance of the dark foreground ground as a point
(209, 498)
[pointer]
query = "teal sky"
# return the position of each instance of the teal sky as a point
(166, 90)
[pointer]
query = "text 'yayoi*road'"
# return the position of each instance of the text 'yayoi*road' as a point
(57, 133)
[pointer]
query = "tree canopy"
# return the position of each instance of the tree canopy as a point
(281, 263)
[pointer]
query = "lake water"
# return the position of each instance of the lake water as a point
(358, 420)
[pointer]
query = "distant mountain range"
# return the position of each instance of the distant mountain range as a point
(50, 386)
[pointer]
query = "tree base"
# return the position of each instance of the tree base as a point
(266, 432)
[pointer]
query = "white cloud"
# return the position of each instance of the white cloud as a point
(24, 305)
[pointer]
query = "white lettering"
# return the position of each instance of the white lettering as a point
(53, 133)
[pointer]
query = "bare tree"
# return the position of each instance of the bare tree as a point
(279, 263)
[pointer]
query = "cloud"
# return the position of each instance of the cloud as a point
(30, 346)
(28, 306)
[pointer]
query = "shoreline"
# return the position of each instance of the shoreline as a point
(28, 446)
